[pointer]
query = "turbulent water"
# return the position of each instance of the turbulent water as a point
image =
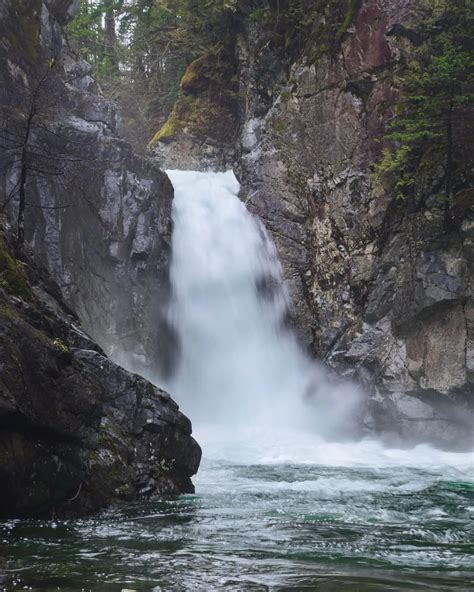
(239, 364)
(277, 513)
(281, 503)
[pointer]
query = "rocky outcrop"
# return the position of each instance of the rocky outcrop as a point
(204, 119)
(380, 290)
(97, 216)
(77, 432)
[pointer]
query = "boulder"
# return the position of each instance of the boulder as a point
(77, 432)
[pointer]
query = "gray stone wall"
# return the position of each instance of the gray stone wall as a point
(102, 226)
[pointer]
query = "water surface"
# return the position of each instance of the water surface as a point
(336, 517)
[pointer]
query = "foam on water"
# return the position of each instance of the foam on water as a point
(254, 397)
(292, 446)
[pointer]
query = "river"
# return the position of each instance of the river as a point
(288, 496)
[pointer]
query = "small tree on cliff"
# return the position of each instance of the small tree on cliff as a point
(428, 132)
(32, 144)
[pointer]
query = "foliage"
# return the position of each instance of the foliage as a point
(91, 31)
(427, 133)
(12, 275)
(305, 27)
(154, 43)
(60, 345)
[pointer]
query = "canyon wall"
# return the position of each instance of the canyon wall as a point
(97, 215)
(77, 431)
(380, 290)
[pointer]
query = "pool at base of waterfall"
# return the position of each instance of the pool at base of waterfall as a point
(271, 512)
(277, 507)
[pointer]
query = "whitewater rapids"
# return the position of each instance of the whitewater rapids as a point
(239, 366)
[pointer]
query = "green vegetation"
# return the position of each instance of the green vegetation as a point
(306, 27)
(140, 51)
(200, 116)
(352, 7)
(12, 276)
(60, 345)
(427, 136)
(146, 52)
(279, 126)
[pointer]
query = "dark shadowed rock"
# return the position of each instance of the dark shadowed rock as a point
(77, 432)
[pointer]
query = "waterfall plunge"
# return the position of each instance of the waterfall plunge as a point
(238, 363)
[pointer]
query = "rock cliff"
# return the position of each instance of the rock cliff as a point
(96, 215)
(78, 432)
(380, 291)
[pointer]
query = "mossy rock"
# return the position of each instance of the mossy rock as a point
(12, 276)
(167, 132)
(200, 117)
(207, 104)
(198, 74)
(352, 8)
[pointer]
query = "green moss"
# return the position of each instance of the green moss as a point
(8, 312)
(198, 73)
(382, 107)
(206, 105)
(12, 276)
(349, 17)
(201, 118)
(280, 126)
(258, 15)
(166, 133)
(298, 180)
(60, 345)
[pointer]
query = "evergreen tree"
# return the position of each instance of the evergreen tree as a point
(437, 89)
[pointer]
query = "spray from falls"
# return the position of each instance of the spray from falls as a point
(239, 364)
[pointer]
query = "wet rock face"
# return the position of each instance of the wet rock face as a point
(97, 216)
(379, 289)
(144, 444)
(77, 432)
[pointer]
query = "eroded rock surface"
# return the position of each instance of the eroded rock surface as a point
(380, 290)
(97, 216)
(77, 432)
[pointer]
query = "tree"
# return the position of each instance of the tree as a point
(427, 134)
(140, 50)
(33, 146)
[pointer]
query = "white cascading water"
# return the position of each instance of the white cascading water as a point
(238, 364)
(278, 507)
(253, 396)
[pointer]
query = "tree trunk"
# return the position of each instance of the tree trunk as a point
(22, 201)
(24, 171)
(111, 38)
(448, 191)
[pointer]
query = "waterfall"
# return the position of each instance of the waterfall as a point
(239, 363)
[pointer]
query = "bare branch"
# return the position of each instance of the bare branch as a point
(48, 207)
